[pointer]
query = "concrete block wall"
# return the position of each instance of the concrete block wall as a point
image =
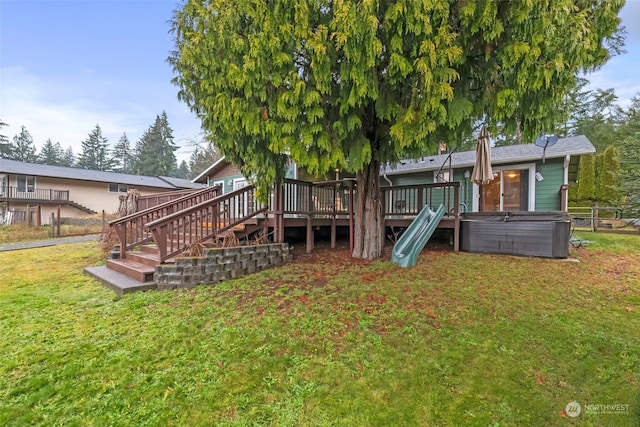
(218, 264)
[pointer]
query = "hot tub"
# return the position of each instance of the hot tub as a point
(541, 234)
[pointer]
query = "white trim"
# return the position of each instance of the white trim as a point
(220, 183)
(216, 163)
(567, 160)
(532, 186)
(236, 180)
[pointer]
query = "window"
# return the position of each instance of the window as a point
(443, 176)
(118, 188)
(26, 184)
(220, 183)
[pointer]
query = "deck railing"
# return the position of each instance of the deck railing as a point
(39, 194)
(176, 232)
(316, 198)
(408, 200)
(131, 229)
(149, 201)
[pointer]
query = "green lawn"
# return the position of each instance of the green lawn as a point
(460, 339)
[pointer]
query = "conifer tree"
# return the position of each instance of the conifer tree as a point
(155, 149)
(586, 178)
(122, 155)
(23, 148)
(95, 152)
(357, 84)
(68, 158)
(51, 154)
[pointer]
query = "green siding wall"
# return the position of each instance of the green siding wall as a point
(548, 190)
(547, 193)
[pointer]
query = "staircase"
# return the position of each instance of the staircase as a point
(81, 207)
(160, 233)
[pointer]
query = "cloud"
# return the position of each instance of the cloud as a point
(67, 111)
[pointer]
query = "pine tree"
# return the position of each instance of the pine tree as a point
(182, 171)
(68, 158)
(23, 149)
(95, 152)
(586, 179)
(155, 149)
(5, 146)
(203, 156)
(51, 154)
(122, 155)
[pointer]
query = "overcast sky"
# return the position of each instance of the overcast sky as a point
(66, 66)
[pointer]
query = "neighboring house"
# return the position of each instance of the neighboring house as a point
(78, 192)
(522, 181)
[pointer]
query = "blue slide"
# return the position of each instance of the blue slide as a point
(406, 250)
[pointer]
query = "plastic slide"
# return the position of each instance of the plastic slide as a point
(406, 250)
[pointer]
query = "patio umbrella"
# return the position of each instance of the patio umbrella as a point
(482, 172)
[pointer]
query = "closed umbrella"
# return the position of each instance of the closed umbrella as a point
(482, 172)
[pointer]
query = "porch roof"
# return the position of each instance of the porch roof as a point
(573, 146)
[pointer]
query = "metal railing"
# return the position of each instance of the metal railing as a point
(39, 194)
(594, 217)
(131, 229)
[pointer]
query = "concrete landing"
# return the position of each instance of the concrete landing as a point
(118, 282)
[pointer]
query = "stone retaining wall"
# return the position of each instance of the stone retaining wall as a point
(218, 264)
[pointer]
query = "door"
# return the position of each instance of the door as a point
(509, 191)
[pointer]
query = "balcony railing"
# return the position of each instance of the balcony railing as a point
(39, 194)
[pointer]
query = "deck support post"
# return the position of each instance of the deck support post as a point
(310, 240)
(456, 217)
(333, 231)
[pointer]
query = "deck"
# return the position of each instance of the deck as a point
(174, 224)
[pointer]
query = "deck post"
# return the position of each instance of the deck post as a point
(333, 218)
(351, 219)
(456, 218)
(310, 239)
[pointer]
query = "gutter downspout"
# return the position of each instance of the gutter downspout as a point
(384, 175)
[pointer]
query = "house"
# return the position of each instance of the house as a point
(523, 181)
(224, 173)
(77, 192)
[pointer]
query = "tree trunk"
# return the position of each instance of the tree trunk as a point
(369, 216)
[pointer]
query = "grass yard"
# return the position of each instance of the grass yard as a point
(23, 233)
(460, 339)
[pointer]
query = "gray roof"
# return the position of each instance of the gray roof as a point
(181, 183)
(22, 168)
(573, 146)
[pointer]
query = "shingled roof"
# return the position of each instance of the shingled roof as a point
(573, 146)
(23, 168)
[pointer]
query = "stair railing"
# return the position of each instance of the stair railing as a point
(175, 233)
(131, 230)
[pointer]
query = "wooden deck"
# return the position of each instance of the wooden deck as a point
(173, 225)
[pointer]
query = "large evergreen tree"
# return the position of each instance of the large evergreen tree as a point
(122, 155)
(608, 184)
(95, 152)
(357, 84)
(68, 158)
(155, 151)
(51, 154)
(586, 179)
(23, 148)
(5, 146)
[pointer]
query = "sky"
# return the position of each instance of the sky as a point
(66, 66)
